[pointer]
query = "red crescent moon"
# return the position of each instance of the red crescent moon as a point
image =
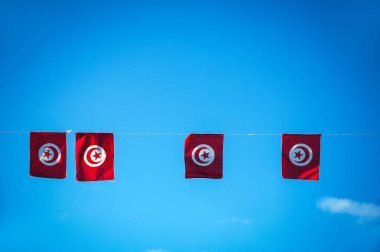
(89, 156)
(307, 154)
(55, 153)
(197, 155)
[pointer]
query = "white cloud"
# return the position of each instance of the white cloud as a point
(365, 211)
(235, 220)
(64, 215)
(156, 250)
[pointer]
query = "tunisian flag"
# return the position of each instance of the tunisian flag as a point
(204, 156)
(48, 154)
(94, 156)
(300, 156)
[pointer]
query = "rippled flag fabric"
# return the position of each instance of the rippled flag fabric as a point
(48, 154)
(94, 156)
(301, 156)
(204, 156)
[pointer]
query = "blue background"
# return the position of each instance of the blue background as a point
(193, 66)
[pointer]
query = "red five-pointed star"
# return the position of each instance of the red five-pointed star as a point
(47, 154)
(298, 154)
(205, 155)
(96, 155)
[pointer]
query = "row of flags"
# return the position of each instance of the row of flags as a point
(94, 156)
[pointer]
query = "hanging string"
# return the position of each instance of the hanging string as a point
(185, 133)
(13, 132)
(352, 134)
(150, 133)
(22, 132)
(244, 134)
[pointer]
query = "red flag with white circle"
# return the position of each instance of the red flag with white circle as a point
(301, 156)
(94, 156)
(204, 156)
(48, 154)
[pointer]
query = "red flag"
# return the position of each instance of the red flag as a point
(300, 156)
(204, 156)
(48, 154)
(94, 156)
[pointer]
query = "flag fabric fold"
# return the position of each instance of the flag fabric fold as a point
(301, 156)
(48, 154)
(204, 156)
(94, 156)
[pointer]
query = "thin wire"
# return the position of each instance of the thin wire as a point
(352, 134)
(148, 133)
(13, 132)
(184, 133)
(242, 134)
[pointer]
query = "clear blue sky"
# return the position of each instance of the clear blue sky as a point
(202, 67)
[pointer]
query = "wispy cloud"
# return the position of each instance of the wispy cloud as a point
(64, 215)
(156, 250)
(234, 220)
(364, 211)
(92, 187)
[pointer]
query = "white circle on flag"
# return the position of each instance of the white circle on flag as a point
(203, 155)
(94, 156)
(300, 154)
(49, 154)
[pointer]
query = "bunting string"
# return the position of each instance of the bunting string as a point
(187, 133)
(49, 149)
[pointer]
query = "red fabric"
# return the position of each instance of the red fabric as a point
(48, 154)
(94, 156)
(297, 162)
(199, 159)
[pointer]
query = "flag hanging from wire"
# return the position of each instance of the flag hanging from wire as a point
(48, 154)
(300, 156)
(94, 156)
(204, 156)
